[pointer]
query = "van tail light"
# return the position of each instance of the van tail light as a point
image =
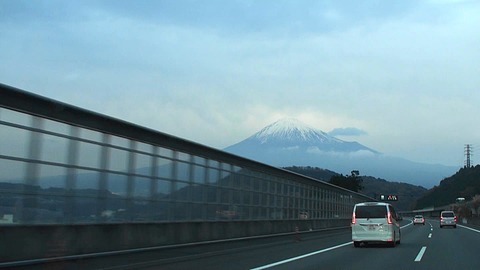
(455, 218)
(353, 218)
(389, 218)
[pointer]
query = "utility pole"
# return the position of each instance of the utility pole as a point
(468, 154)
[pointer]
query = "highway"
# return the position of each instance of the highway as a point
(422, 247)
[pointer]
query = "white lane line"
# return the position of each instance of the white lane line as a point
(301, 257)
(430, 236)
(420, 254)
(465, 227)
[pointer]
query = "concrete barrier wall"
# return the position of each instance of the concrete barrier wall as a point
(24, 242)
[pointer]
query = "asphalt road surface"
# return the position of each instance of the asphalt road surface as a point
(422, 247)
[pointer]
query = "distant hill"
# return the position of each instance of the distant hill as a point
(407, 194)
(465, 183)
(373, 187)
(314, 172)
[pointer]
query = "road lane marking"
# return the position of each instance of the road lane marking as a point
(301, 256)
(465, 227)
(430, 236)
(420, 254)
(311, 254)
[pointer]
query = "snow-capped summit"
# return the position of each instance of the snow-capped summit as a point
(293, 130)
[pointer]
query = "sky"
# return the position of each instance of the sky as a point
(400, 77)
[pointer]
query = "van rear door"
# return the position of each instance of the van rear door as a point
(370, 219)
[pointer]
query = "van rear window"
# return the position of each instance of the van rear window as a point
(447, 214)
(373, 211)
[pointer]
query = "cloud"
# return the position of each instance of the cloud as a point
(215, 72)
(356, 154)
(348, 131)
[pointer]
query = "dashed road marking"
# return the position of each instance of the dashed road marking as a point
(420, 254)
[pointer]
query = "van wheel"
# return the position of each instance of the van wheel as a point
(399, 238)
(356, 243)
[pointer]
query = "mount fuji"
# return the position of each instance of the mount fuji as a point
(289, 142)
(290, 134)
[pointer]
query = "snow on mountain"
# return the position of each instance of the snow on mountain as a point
(293, 130)
(290, 133)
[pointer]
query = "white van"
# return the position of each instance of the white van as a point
(448, 218)
(375, 222)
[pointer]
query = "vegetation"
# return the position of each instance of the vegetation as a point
(352, 182)
(370, 186)
(407, 194)
(314, 172)
(463, 184)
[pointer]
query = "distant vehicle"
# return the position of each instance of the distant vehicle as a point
(375, 222)
(418, 219)
(448, 218)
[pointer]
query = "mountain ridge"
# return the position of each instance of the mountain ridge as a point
(464, 183)
(283, 144)
(372, 186)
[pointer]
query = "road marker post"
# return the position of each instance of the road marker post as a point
(297, 234)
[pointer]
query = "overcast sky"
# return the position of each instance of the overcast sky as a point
(401, 77)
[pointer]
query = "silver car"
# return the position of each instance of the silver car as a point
(418, 219)
(448, 218)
